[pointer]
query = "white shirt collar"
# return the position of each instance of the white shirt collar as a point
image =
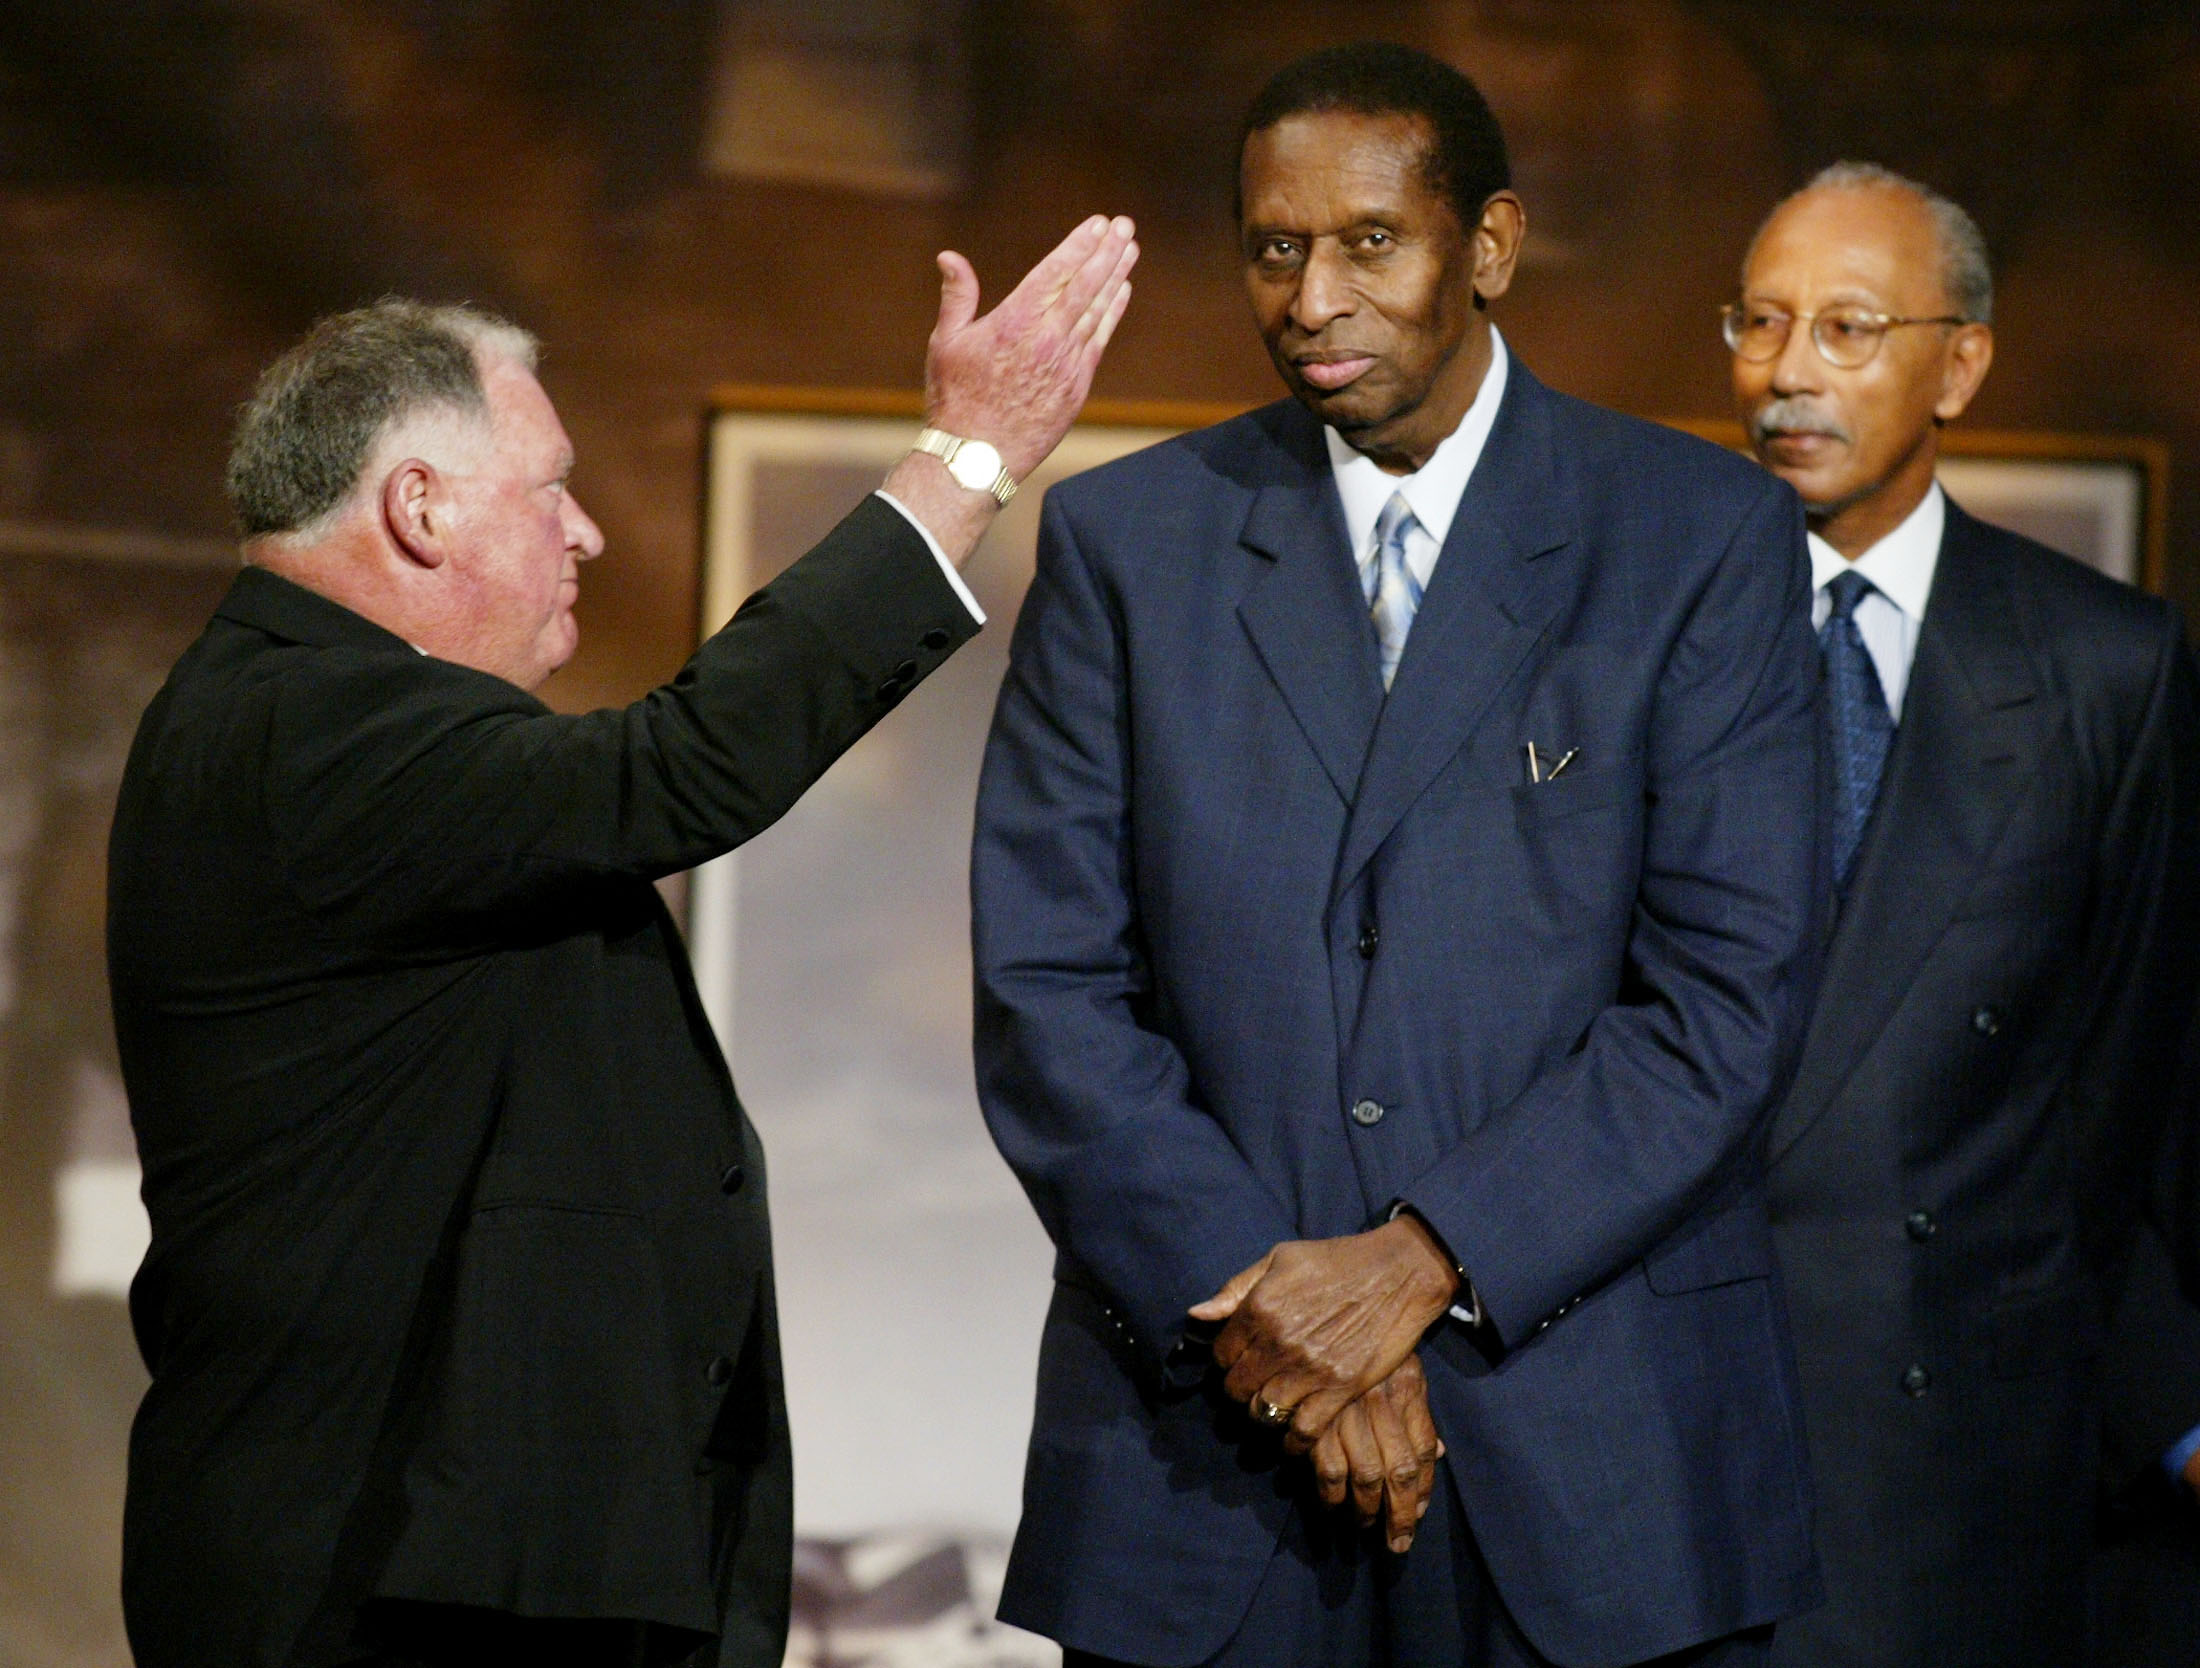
(1433, 491)
(1900, 566)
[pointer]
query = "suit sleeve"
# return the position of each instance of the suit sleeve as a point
(2141, 1056)
(1092, 1107)
(413, 797)
(2150, 1374)
(2141, 959)
(1665, 1095)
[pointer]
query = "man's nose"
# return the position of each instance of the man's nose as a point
(581, 532)
(1798, 368)
(1325, 290)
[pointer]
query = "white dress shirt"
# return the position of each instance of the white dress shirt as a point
(1900, 567)
(1433, 491)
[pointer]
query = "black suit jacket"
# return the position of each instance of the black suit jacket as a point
(1961, 1161)
(460, 1283)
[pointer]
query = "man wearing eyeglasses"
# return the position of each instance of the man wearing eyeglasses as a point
(1958, 1168)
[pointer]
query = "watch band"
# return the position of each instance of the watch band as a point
(946, 447)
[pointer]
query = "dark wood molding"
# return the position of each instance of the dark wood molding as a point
(909, 403)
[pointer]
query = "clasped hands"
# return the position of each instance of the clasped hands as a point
(1318, 1340)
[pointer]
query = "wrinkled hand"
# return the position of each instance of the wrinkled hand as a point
(1316, 1324)
(1018, 376)
(1381, 1455)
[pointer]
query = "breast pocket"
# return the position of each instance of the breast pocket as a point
(1581, 788)
(1581, 841)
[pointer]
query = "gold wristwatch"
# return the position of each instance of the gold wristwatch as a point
(973, 463)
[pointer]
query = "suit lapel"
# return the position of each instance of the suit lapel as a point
(1973, 726)
(1494, 591)
(1307, 615)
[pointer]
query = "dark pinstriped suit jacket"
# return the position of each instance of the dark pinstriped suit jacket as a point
(1959, 1167)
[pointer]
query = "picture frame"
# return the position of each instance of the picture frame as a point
(91, 619)
(831, 954)
(2103, 499)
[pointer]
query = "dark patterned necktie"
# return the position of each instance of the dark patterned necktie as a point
(1856, 711)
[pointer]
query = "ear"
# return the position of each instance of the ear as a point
(1970, 355)
(1497, 244)
(414, 510)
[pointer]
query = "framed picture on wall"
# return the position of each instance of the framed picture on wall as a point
(832, 955)
(2101, 498)
(91, 619)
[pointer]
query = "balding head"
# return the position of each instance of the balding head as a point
(322, 412)
(1861, 328)
(403, 461)
(1966, 270)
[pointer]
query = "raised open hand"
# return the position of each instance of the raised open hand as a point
(1018, 376)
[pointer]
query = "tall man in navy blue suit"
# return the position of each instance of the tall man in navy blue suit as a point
(1396, 887)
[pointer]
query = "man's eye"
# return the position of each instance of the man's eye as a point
(1276, 249)
(1847, 327)
(1760, 319)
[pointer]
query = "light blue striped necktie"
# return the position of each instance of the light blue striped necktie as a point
(1392, 592)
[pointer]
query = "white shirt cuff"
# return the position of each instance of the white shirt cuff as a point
(938, 555)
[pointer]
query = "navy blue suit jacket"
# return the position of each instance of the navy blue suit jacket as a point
(1225, 890)
(1961, 1168)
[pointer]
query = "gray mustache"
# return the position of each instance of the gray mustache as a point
(1796, 415)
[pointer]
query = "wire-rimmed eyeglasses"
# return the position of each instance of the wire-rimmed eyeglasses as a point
(1845, 337)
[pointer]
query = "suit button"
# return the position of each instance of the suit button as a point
(935, 639)
(720, 1371)
(1369, 938)
(1986, 1022)
(891, 691)
(1920, 1225)
(733, 1178)
(906, 672)
(1367, 1113)
(1916, 1382)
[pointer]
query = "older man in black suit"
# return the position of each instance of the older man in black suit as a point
(1961, 1163)
(459, 1305)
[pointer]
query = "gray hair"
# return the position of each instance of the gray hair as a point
(318, 412)
(1966, 272)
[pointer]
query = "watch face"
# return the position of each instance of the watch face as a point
(976, 466)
